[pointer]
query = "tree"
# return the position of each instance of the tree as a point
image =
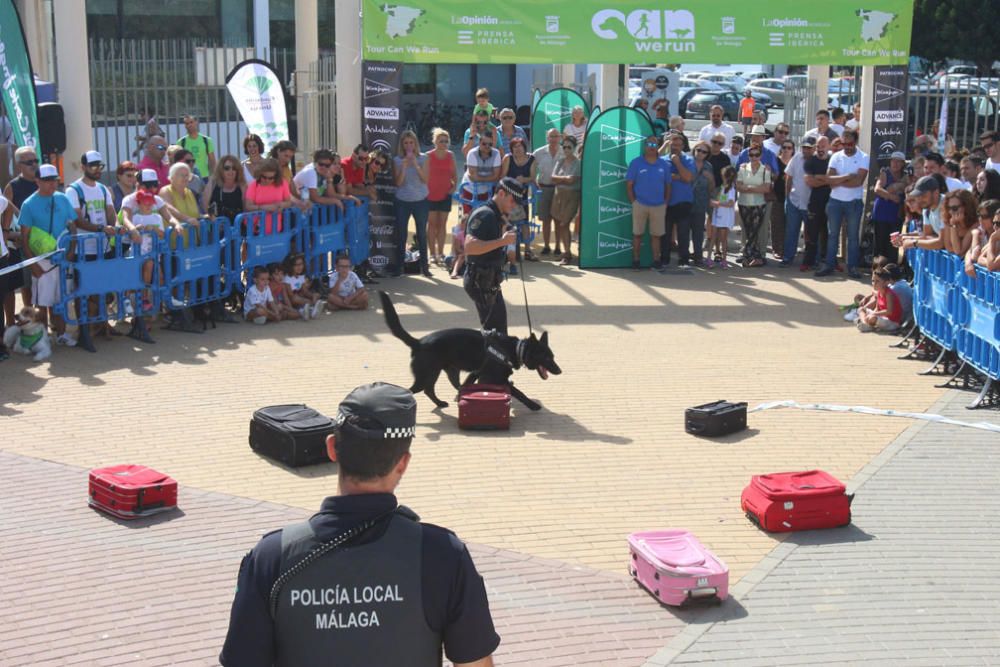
(959, 29)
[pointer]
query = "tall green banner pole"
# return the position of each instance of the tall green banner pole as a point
(554, 109)
(17, 81)
(614, 139)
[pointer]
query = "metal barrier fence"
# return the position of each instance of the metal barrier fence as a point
(973, 108)
(959, 312)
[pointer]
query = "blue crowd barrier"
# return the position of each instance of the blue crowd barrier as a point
(263, 238)
(322, 237)
(358, 235)
(198, 262)
(112, 275)
(935, 302)
(977, 334)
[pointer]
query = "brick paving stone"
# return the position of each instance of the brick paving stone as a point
(91, 590)
(910, 582)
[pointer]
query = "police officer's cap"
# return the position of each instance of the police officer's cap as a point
(393, 408)
(514, 189)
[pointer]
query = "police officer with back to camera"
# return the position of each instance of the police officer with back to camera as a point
(487, 235)
(362, 583)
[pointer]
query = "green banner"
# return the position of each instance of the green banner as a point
(17, 84)
(639, 31)
(554, 110)
(613, 140)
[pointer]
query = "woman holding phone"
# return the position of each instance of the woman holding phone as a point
(411, 199)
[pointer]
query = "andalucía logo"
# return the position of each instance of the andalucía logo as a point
(258, 84)
(653, 30)
(609, 210)
(613, 138)
(611, 174)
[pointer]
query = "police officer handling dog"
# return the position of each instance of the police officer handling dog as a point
(362, 583)
(487, 235)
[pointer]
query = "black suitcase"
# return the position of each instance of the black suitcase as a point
(715, 419)
(291, 434)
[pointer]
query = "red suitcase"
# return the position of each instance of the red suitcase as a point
(131, 491)
(484, 407)
(787, 501)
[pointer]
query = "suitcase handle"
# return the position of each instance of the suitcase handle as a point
(695, 427)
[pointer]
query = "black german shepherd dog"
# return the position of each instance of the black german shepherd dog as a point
(488, 357)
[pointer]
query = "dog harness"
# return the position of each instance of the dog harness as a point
(495, 350)
(28, 341)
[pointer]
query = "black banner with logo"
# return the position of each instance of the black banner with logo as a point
(382, 97)
(888, 130)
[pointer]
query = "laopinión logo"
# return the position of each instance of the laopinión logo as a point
(653, 30)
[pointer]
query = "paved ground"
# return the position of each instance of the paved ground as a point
(545, 508)
(911, 582)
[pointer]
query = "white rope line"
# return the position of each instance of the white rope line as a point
(864, 410)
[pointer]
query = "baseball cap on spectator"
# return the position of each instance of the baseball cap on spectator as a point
(92, 157)
(898, 155)
(513, 188)
(809, 140)
(758, 130)
(47, 172)
(927, 184)
(149, 177)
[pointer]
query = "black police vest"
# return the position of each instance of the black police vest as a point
(493, 258)
(357, 605)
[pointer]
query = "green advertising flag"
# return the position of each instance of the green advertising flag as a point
(613, 140)
(554, 110)
(17, 83)
(639, 31)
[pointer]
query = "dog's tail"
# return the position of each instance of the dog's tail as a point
(392, 319)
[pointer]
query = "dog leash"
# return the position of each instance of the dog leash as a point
(524, 289)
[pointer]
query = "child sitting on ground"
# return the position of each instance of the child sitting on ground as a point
(902, 289)
(456, 261)
(258, 304)
(723, 207)
(346, 289)
(305, 300)
(861, 300)
(282, 295)
(887, 314)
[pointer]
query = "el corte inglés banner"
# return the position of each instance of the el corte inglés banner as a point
(841, 32)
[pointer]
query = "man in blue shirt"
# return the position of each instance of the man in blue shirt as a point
(680, 201)
(648, 184)
(52, 214)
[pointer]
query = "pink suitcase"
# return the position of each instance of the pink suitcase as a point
(676, 568)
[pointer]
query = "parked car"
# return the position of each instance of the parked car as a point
(773, 88)
(700, 101)
(731, 81)
(968, 115)
(756, 76)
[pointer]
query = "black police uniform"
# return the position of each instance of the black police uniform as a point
(484, 273)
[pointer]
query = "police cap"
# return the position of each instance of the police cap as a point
(392, 408)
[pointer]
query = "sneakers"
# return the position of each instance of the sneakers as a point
(825, 271)
(260, 319)
(304, 312)
(724, 264)
(65, 339)
(546, 250)
(854, 273)
(709, 263)
(635, 266)
(839, 268)
(657, 266)
(316, 310)
(175, 303)
(129, 311)
(805, 267)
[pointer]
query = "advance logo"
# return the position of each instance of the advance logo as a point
(382, 113)
(610, 173)
(613, 138)
(609, 245)
(609, 210)
(889, 116)
(653, 30)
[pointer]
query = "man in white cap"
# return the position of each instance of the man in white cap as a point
(45, 216)
(95, 207)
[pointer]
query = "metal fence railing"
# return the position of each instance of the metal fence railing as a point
(172, 77)
(973, 108)
(318, 108)
(798, 93)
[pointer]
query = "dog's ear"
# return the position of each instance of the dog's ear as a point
(532, 337)
(545, 338)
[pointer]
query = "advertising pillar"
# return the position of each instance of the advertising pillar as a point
(382, 96)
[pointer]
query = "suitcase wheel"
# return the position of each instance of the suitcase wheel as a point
(656, 575)
(632, 572)
(634, 556)
(657, 592)
(753, 519)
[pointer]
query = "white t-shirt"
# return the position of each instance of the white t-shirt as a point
(848, 164)
(306, 180)
(3, 243)
(838, 128)
(545, 161)
(799, 197)
(295, 282)
(990, 164)
(132, 204)
(955, 183)
(255, 298)
(96, 198)
(153, 219)
(475, 162)
(932, 217)
(577, 133)
(709, 131)
(349, 286)
(772, 145)
(852, 124)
